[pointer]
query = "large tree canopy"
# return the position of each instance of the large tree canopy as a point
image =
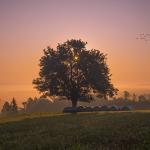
(74, 72)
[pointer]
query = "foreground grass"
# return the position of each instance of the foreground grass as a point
(85, 131)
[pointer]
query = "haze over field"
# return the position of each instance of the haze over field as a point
(113, 26)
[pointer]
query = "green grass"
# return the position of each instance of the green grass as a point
(83, 131)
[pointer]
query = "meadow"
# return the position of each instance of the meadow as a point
(82, 131)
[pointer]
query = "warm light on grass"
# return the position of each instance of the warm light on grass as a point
(104, 130)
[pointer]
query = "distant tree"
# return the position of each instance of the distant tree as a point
(6, 108)
(14, 107)
(35, 99)
(74, 72)
(148, 97)
(142, 98)
(134, 97)
(24, 105)
(30, 100)
(126, 95)
(29, 103)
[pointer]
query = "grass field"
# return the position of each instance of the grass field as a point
(83, 131)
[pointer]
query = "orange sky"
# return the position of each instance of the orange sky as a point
(26, 27)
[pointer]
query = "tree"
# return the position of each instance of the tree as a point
(142, 98)
(6, 108)
(24, 105)
(74, 72)
(134, 97)
(14, 107)
(126, 95)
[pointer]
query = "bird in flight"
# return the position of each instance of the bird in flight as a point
(143, 36)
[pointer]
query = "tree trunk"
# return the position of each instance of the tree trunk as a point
(74, 103)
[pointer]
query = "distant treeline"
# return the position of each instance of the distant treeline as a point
(133, 97)
(136, 101)
(45, 105)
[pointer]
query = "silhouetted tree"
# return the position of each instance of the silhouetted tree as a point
(29, 103)
(24, 105)
(6, 108)
(148, 97)
(142, 98)
(75, 72)
(14, 107)
(134, 97)
(126, 95)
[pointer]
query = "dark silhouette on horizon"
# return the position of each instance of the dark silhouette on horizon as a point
(10, 108)
(32, 105)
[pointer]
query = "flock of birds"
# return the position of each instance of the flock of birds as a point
(143, 36)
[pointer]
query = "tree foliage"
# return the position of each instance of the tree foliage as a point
(126, 95)
(74, 72)
(6, 108)
(14, 107)
(10, 107)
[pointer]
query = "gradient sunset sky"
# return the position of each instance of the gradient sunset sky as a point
(112, 26)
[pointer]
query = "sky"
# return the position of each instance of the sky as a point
(112, 26)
